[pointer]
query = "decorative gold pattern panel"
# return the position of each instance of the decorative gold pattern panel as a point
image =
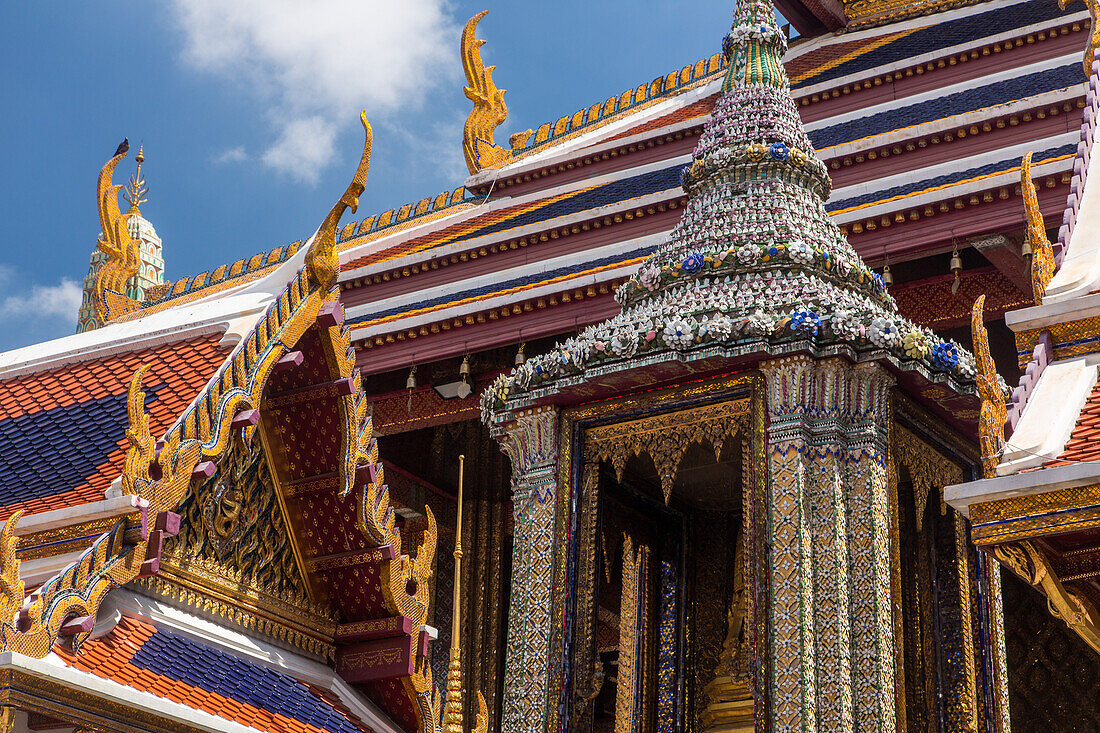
(665, 438)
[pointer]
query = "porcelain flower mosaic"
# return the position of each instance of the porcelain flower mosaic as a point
(754, 264)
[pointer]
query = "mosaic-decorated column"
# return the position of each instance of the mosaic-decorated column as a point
(872, 621)
(832, 660)
(530, 441)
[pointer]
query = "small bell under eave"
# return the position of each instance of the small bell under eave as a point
(887, 276)
(464, 389)
(956, 268)
(520, 356)
(410, 385)
(1025, 249)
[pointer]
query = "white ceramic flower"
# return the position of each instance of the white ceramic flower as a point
(720, 327)
(800, 252)
(845, 325)
(883, 333)
(758, 324)
(678, 333)
(748, 255)
(522, 375)
(624, 342)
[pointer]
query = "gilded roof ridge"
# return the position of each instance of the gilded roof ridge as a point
(208, 282)
(617, 106)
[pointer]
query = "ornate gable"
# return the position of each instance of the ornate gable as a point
(234, 554)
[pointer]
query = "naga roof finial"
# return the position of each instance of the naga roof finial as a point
(115, 241)
(991, 421)
(1042, 253)
(322, 262)
(489, 110)
(1094, 32)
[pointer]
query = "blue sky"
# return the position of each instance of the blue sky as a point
(248, 112)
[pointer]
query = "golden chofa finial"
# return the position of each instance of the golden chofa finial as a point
(489, 110)
(136, 190)
(1094, 32)
(1042, 253)
(115, 241)
(322, 262)
(994, 413)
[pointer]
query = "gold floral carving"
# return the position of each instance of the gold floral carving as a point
(994, 413)
(139, 455)
(489, 112)
(1077, 611)
(929, 469)
(665, 438)
(123, 257)
(1042, 253)
(631, 636)
(1094, 32)
(322, 263)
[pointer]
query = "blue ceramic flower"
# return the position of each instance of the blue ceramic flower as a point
(945, 356)
(693, 263)
(880, 284)
(779, 151)
(806, 321)
(685, 176)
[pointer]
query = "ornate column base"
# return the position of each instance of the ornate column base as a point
(731, 707)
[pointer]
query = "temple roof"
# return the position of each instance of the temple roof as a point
(755, 257)
(818, 67)
(62, 430)
(178, 668)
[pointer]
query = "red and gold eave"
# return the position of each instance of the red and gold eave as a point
(1054, 535)
(297, 372)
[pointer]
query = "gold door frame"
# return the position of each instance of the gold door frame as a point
(710, 411)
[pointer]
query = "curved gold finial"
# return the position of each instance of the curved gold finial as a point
(140, 454)
(123, 258)
(1042, 253)
(1094, 32)
(489, 110)
(12, 590)
(322, 264)
(994, 413)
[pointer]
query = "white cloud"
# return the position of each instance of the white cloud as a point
(232, 155)
(56, 303)
(303, 148)
(313, 65)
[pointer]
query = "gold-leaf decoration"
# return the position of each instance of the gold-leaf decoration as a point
(123, 258)
(322, 262)
(994, 413)
(1042, 253)
(135, 474)
(1094, 32)
(12, 590)
(489, 112)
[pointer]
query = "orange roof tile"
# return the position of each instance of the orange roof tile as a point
(62, 430)
(138, 655)
(1084, 441)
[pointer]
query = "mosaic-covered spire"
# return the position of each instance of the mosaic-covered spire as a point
(755, 257)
